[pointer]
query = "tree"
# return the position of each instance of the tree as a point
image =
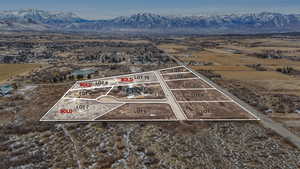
(71, 77)
(54, 80)
(15, 86)
(79, 77)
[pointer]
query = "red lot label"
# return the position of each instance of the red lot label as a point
(125, 79)
(85, 84)
(66, 111)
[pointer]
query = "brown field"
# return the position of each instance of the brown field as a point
(216, 110)
(199, 95)
(172, 48)
(175, 70)
(251, 50)
(220, 58)
(279, 86)
(222, 68)
(253, 75)
(179, 76)
(132, 111)
(10, 70)
(274, 68)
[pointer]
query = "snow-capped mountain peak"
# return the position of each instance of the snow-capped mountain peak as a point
(64, 21)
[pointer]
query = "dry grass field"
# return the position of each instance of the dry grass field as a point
(254, 75)
(10, 70)
(274, 68)
(222, 68)
(232, 57)
(172, 48)
(219, 57)
(287, 50)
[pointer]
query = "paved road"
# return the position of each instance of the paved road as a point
(265, 121)
(171, 99)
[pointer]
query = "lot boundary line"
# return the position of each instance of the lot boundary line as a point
(74, 98)
(170, 68)
(109, 90)
(160, 80)
(108, 86)
(221, 120)
(194, 89)
(171, 80)
(213, 101)
(137, 120)
(146, 101)
(174, 73)
(116, 76)
(56, 103)
(121, 104)
(223, 93)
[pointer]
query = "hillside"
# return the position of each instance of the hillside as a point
(39, 20)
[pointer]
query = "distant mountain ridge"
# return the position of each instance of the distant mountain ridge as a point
(34, 19)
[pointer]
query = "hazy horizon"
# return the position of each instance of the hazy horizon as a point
(93, 9)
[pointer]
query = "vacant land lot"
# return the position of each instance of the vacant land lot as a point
(10, 70)
(215, 110)
(140, 111)
(199, 95)
(174, 70)
(186, 84)
(78, 110)
(179, 76)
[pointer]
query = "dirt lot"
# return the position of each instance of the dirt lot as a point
(175, 70)
(216, 110)
(179, 76)
(141, 111)
(199, 95)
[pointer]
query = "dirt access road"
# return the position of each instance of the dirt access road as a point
(171, 98)
(265, 121)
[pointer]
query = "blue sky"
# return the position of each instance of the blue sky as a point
(106, 9)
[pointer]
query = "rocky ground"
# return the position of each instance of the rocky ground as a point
(144, 145)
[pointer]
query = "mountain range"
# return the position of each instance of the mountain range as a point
(40, 20)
